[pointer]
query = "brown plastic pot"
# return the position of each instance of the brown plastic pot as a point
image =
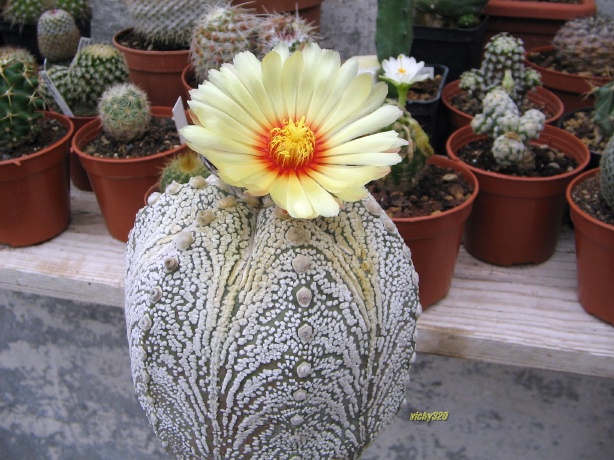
(517, 220)
(35, 193)
(157, 72)
(119, 184)
(594, 257)
(572, 89)
(535, 22)
(435, 240)
(457, 118)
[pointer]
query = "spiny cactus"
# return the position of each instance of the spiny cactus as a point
(284, 28)
(182, 168)
(57, 34)
(256, 335)
(606, 173)
(585, 44)
(604, 109)
(511, 132)
(503, 55)
(124, 111)
(92, 71)
(27, 12)
(221, 33)
(461, 13)
(19, 105)
(167, 23)
(19, 54)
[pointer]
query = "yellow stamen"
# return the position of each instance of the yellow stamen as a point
(402, 70)
(292, 145)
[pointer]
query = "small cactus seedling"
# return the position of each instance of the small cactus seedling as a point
(503, 59)
(511, 132)
(125, 112)
(19, 105)
(606, 173)
(182, 168)
(58, 36)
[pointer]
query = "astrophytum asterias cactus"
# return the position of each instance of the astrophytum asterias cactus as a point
(254, 335)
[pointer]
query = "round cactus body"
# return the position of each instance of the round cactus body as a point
(24, 12)
(256, 335)
(284, 28)
(182, 168)
(57, 34)
(606, 173)
(125, 112)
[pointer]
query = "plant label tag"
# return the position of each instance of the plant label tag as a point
(57, 97)
(179, 118)
(430, 71)
(83, 42)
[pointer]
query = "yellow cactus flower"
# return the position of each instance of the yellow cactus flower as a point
(301, 127)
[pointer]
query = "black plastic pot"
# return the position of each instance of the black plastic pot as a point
(595, 156)
(457, 49)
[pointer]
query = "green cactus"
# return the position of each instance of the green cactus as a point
(182, 168)
(503, 58)
(283, 27)
(606, 173)
(78, 9)
(19, 105)
(19, 54)
(256, 335)
(511, 132)
(124, 111)
(221, 33)
(394, 28)
(57, 34)
(461, 13)
(167, 23)
(25, 12)
(94, 68)
(604, 109)
(585, 44)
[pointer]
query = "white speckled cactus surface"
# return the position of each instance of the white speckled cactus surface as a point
(256, 335)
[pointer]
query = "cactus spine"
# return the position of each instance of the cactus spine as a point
(19, 54)
(57, 34)
(182, 168)
(124, 110)
(606, 173)
(503, 58)
(394, 29)
(284, 28)
(19, 105)
(24, 12)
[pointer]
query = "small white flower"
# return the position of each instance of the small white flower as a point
(404, 70)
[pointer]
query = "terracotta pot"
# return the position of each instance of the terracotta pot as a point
(435, 240)
(119, 184)
(594, 257)
(572, 89)
(35, 193)
(516, 220)
(157, 72)
(535, 22)
(307, 9)
(457, 118)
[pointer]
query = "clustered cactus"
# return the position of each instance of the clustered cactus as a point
(501, 120)
(58, 35)
(19, 104)
(95, 67)
(585, 44)
(606, 173)
(503, 60)
(225, 30)
(124, 111)
(27, 12)
(461, 13)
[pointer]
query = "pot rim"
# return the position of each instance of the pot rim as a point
(575, 182)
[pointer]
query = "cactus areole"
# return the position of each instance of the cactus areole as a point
(257, 335)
